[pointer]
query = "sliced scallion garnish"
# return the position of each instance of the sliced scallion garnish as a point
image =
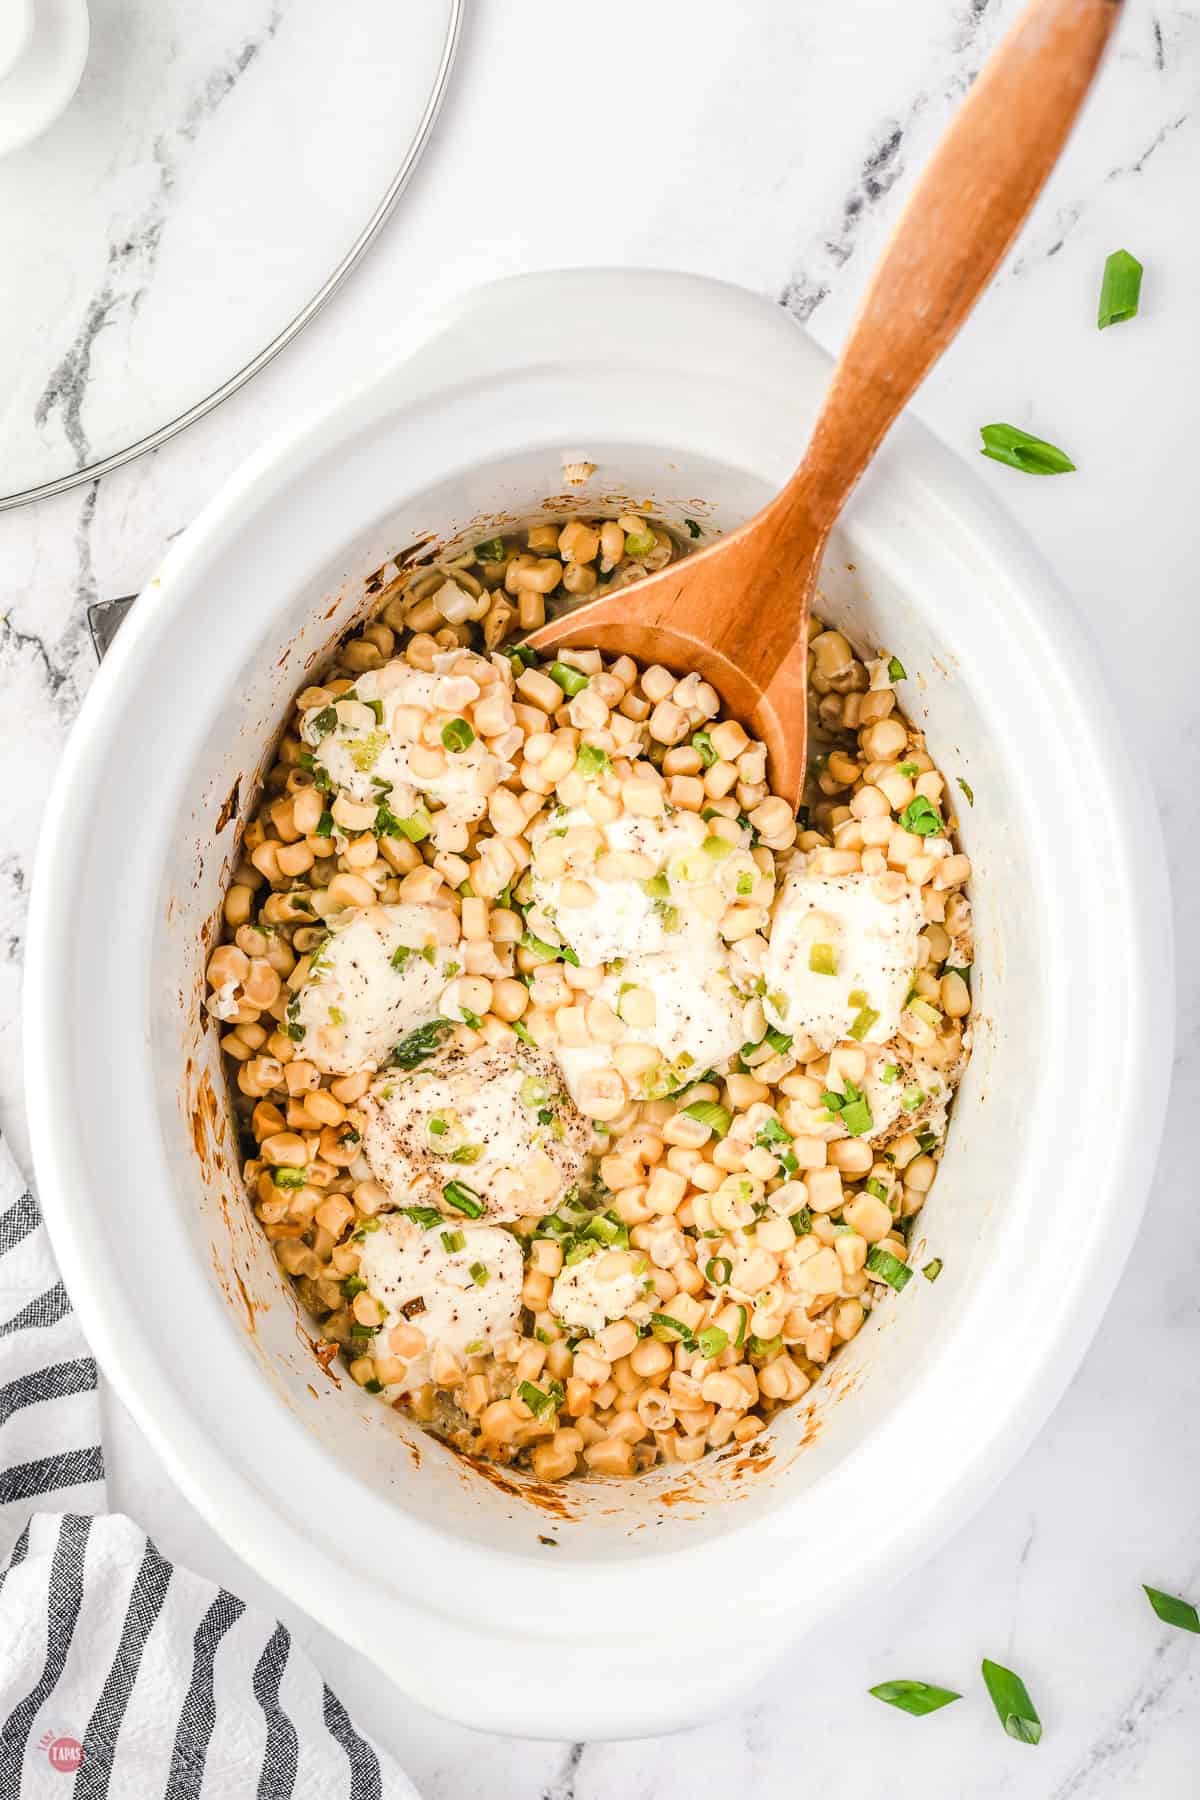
(591, 760)
(718, 1270)
(480, 1274)
(932, 1269)
(703, 745)
(663, 1323)
(967, 789)
(1021, 450)
(1172, 1610)
(863, 1022)
(1010, 1697)
(915, 1697)
(711, 1341)
(452, 1241)
(491, 550)
(888, 1267)
(463, 1199)
(896, 670)
(708, 1112)
(571, 681)
(822, 959)
(921, 818)
(1120, 289)
(457, 736)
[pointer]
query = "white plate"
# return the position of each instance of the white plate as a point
(220, 170)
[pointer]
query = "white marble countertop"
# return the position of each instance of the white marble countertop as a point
(772, 145)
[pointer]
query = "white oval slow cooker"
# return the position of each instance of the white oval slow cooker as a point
(563, 1612)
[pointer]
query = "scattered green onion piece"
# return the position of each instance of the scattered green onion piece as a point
(915, 1697)
(285, 1177)
(491, 550)
(471, 1018)
(863, 1022)
(764, 1346)
(568, 955)
(522, 1031)
(822, 959)
(1020, 450)
(463, 1199)
(376, 707)
(716, 848)
(877, 1188)
(658, 887)
(324, 826)
(744, 886)
(541, 949)
(457, 736)
(909, 768)
(718, 1270)
(353, 1284)
(535, 1398)
(912, 1098)
(591, 760)
(420, 1044)
(893, 1271)
(290, 1028)
(832, 1101)
(888, 1073)
(452, 1241)
(711, 1341)
(424, 1216)
(919, 817)
(801, 1222)
(693, 528)
(639, 543)
(928, 1140)
(709, 1112)
(416, 828)
(740, 1339)
(896, 670)
(400, 956)
(324, 722)
(521, 657)
(1173, 1611)
(703, 745)
(480, 1274)
(932, 1269)
(571, 681)
(1010, 1697)
(856, 1116)
(374, 1385)
(664, 1322)
(1120, 289)
(967, 789)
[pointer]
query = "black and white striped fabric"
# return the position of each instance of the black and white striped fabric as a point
(120, 1672)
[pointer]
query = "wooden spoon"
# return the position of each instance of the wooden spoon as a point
(738, 611)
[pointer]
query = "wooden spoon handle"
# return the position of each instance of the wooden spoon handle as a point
(962, 216)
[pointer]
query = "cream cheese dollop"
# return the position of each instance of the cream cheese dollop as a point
(461, 1300)
(378, 975)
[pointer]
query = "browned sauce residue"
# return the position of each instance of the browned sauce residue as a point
(538, 1493)
(229, 809)
(324, 1350)
(247, 1302)
(312, 1390)
(204, 1120)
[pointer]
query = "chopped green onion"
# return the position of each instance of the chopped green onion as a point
(467, 1153)
(705, 749)
(744, 886)
(522, 1031)
(353, 1284)
(764, 1346)
(471, 1018)
(863, 1022)
(373, 1386)
(1173, 1611)
(912, 1098)
(424, 1216)
(893, 1271)
(909, 768)
(571, 681)
(400, 956)
(480, 1274)
(928, 1140)
(832, 1101)
(663, 1322)
(541, 949)
(535, 1398)
(365, 1225)
(452, 1241)
(711, 1341)
(932, 1269)
(888, 1073)
(740, 1339)
(822, 959)
(708, 1112)
(1120, 289)
(463, 1199)
(290, 1028)
(856, 1113)
(919, 817)
(415, 828)
(285, 1177)
(591, 760)
(801, 1222)
(639, 543)
(491, 550)
(457, 736)
(376, 707)
(420, 1045)
(857, 997)
(324, 722)
(896, 670)
(1032, 455)
(915, 1697)
(877, 1188)
(1010, 1697)
(324, 826)
(658, 887)
(967, 789)
(521, 657)
(693, 528)
(718, 1270)
(716, 848)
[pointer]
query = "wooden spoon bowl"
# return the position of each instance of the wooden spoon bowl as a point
(737, 612)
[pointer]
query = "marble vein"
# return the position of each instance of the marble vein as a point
(133, 254)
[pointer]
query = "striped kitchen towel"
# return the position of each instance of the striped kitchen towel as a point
(130, 1676)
